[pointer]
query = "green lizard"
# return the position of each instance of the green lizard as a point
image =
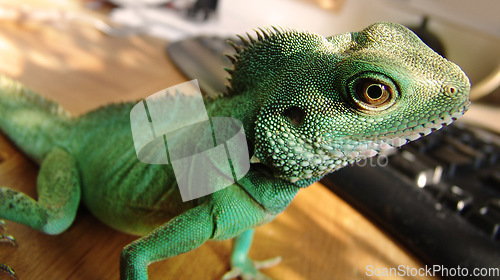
(309, 106)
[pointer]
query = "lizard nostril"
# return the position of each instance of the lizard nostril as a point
(450, 90)
(295, 114)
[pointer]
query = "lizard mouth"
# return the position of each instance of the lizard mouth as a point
(301, 157)
(388, 141)
(368, 148)
(418, 131)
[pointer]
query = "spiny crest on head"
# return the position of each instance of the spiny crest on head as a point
(248, 43)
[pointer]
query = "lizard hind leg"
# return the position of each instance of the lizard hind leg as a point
(241, 265)
(58, 187)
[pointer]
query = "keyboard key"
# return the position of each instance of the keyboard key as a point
(494, 205)
(420, 170)
(457, 199)
(491, 153)
(475, 155)
(451, 158)
(436, 189)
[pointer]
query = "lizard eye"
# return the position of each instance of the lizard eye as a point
(373, 93)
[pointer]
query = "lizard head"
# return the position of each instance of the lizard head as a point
(325, 103)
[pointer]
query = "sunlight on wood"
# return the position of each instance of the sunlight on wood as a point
(12, 59)
(67, 4)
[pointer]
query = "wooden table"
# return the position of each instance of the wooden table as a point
(319, 236)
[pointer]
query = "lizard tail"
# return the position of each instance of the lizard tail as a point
(33, 123)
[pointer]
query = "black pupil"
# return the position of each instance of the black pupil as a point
(375, 91)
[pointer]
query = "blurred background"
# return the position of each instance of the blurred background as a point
(467, 32)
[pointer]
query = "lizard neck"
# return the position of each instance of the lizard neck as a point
(273, 194)
(242, 107)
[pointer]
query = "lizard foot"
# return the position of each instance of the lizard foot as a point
(248, 269)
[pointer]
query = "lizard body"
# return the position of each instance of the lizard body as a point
(309, 106)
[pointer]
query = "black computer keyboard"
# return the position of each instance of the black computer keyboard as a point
(439, 196)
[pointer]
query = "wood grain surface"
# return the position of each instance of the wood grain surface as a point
(319, 236)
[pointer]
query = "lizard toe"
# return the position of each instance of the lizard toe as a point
(249, 269)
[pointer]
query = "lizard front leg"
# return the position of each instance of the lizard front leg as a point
(217, 219)
(179, 235)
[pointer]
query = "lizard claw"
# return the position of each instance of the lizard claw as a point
(267, 263)
(249, 270)
(5, 269)
(237, 272)
(233, 273)
(6, 238)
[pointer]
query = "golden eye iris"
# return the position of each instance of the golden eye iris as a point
(373, 93)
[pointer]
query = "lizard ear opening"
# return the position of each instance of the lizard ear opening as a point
(295, 115)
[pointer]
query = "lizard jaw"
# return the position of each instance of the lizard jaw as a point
(411, 134)
(300, 158)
